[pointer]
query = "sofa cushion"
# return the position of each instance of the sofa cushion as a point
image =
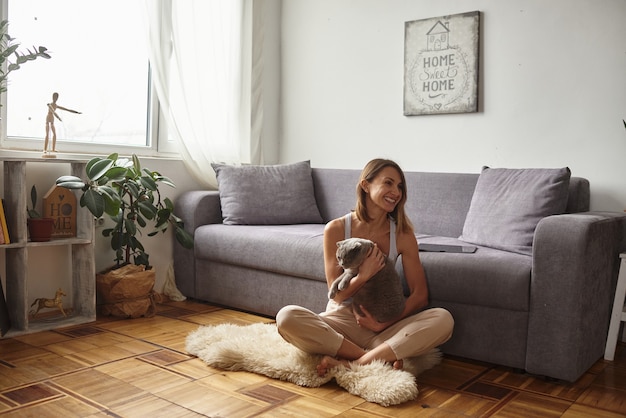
(295, 250)
(488, 277)
(508, 203)
(267, 195)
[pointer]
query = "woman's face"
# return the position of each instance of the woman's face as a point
(385, 190)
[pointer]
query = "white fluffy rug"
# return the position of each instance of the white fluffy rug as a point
(260, 349)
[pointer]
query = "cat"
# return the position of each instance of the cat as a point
(382, 295)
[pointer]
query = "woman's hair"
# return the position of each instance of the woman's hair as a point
(370, 171)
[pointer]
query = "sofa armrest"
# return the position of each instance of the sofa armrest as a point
(195, 208)
(575, 266)
(198, 207)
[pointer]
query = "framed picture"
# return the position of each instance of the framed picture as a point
(441, 65)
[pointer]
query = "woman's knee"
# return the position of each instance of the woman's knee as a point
(287, 317)
(445, 319)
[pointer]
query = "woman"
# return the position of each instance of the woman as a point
(341, 334)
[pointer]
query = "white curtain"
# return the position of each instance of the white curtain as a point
(202, 69)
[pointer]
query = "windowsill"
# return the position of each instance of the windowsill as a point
(30, 155)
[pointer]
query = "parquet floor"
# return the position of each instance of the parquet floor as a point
(139, 368)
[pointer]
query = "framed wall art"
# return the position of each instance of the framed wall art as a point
(441, 64)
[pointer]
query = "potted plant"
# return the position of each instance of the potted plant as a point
(39, 228)
(129, 195)
(8, 48)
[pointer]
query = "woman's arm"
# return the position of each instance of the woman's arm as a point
(413, 274)
(373, 263)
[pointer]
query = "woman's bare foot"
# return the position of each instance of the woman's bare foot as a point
(326, 364)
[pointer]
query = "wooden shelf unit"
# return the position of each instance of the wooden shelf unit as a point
(83, 282)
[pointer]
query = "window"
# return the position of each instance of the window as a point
(99, 67)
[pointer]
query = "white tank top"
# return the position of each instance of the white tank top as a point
(393, 250)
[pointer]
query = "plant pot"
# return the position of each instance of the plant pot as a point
(40, 229)
(127, 292)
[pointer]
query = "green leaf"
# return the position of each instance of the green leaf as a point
(170, 183)
(130, 226)
(117, 241)
(11, 49)
(163, 219)
(134, 242)
(71, 184)
(93, 201)
(141, 221)
(33, 196)
(137, 164)
(142, 258)
(90, 163)
(98, 169)
(112, 203)
(184, 238)
(110, 193)
(148, 183)
(147, 209)
(116, 173)
(133, 189)
(64, 179)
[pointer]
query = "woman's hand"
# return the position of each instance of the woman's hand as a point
(373, 263)
(368, 321)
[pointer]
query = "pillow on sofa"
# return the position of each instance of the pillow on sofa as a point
(267, 194)
(508, 204)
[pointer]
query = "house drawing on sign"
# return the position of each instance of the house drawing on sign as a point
(438, 36)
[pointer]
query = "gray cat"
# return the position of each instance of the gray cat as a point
(382, 295)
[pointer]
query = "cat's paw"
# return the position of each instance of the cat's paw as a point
(345, 281)
(333, 290)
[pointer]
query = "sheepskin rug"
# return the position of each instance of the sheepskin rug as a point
(258, 348)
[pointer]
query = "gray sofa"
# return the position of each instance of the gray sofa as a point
(545, 312)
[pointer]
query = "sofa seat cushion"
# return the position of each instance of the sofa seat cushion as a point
(489, 277)
(295, 250)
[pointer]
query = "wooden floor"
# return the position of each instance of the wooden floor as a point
(139, 368)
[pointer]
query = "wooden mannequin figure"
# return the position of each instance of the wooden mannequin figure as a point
(52, 108)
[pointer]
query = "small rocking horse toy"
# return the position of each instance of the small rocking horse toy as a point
(49, 303)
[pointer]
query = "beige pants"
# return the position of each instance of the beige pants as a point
(324, 333)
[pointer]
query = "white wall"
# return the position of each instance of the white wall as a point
(552, 89)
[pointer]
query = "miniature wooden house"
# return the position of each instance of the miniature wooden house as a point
(60, 204)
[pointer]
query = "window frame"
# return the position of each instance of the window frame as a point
(156, 131)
